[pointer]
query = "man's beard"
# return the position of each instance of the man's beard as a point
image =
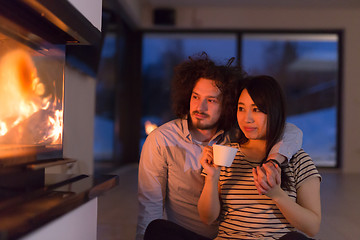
(199, 124)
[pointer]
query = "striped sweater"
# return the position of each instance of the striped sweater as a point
(247, 215)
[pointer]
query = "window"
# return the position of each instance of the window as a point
(306, 65)
(105, 102)
(161, 53)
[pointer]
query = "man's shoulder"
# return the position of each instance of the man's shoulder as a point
(173, 127)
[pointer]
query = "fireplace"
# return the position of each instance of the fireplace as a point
(31, 96)
(46, 49)
(38, 40)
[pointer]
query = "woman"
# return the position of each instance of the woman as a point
(255, 201)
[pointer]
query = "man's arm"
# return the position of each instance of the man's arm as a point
(152, 180)
(289, 145)
(282, 151)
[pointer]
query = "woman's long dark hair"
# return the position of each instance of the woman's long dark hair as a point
(268, 96)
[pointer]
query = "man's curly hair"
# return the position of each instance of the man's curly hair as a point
(226, 79)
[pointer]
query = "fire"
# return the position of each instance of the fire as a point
(56, 125)
(27, 115)
(3, 128)
(149, 127)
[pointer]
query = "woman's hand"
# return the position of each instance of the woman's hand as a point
(207, 161)
(267, 179)
(209, 201)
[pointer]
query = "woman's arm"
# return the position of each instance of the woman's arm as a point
(209, 202)
(305, 214)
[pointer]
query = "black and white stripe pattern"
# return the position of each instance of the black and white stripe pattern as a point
(246, 214)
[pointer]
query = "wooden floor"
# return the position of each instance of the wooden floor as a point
(340, 196)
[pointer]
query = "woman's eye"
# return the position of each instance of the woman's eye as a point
(256, 110)
(240, 109)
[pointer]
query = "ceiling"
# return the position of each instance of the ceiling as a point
(254, 3)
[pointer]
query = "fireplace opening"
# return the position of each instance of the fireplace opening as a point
(31, 97)
(41, 43)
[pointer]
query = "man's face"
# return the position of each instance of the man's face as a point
(205, 104)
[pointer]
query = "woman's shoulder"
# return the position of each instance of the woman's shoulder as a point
(300, 159)
(303, 166)
(301, 154)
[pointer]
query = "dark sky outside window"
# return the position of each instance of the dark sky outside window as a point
(306, 65)
(161, 53)
(220, 47)
(105, 100)
(307, 68)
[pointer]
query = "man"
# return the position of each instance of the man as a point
(170, 180)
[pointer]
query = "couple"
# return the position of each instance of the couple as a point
(170, 173)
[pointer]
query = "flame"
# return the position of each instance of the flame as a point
(56, 125)
(3, 128)
(149, 127)
(22, 96)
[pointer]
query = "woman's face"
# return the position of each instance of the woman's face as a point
(251, 120)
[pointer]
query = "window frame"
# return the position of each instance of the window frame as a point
(241, 32)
